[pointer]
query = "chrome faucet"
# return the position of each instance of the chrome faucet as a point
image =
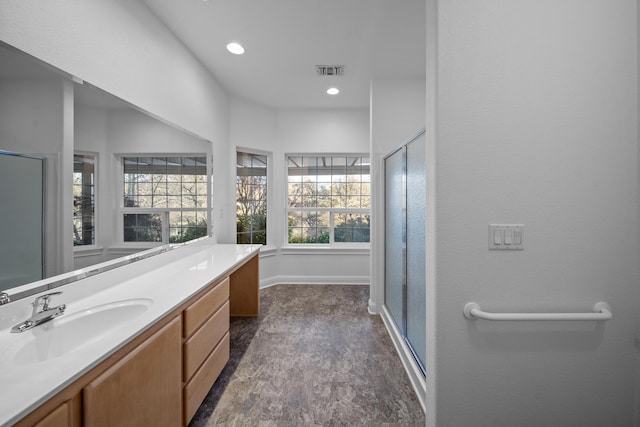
(40, 316)
(4, 298)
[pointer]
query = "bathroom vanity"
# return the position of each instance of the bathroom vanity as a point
(138, 345)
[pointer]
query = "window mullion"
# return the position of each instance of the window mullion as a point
(331, 227)
(165, 226)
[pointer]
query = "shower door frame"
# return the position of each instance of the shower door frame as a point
(401, 324)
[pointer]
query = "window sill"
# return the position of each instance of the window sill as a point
(126, 250)
(85, 251)
(325, 250)
(268, 251)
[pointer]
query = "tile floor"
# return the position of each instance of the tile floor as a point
(314, 357)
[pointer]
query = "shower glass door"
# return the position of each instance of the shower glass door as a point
(416, 255)
(22, 219)
(395, 236)
(405, 241)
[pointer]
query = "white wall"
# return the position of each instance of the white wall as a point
(120, 46)
(279, 132)
(397, 114)
(533, 106)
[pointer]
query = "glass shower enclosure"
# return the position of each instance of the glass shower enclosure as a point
(405, 240)
(21, 219)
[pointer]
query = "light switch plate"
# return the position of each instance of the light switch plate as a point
(506, 237)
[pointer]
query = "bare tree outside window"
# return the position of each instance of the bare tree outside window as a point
(328, 199)
(251, 198)
(84, 199)
(165, 199)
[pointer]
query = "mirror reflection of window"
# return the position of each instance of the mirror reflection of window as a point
(165, 199)
(84, 188)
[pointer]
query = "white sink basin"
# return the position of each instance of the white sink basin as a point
(72, 331)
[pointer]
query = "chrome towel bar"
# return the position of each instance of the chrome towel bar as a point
(601, 311)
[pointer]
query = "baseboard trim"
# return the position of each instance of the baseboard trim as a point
(313, 280)
(414, 373)
(373, 307)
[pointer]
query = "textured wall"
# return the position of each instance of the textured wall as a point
(535, 113)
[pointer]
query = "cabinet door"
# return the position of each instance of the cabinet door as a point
(59, 417)
(244, 289)
(142, 389)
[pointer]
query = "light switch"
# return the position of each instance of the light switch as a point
(497, 237)
(517, 237)
(506, 236)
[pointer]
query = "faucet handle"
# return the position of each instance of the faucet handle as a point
(4, 298)
(45, 300)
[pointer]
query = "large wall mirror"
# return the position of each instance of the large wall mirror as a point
(80, 137)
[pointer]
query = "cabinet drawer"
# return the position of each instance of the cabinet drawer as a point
(198, 347)
(196, 390)
(200, 311)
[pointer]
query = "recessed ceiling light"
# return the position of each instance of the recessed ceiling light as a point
(333, 91)
(235, 48)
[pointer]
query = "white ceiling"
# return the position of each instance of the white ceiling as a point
(286, 39)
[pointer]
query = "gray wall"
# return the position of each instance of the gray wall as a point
(533, 106)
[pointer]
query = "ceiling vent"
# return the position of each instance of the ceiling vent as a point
(330, 70)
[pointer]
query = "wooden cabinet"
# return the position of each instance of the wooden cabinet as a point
(199, 385)
(59, 417)
(143, 388)
(198, 347)
(206, 345)
(199, 311)
(244, 289)
(160, 377)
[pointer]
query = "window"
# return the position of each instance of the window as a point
(165, 199)
(84, 200)
(328, 199)
(251, 198)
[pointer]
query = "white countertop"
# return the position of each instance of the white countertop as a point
(168, 279)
